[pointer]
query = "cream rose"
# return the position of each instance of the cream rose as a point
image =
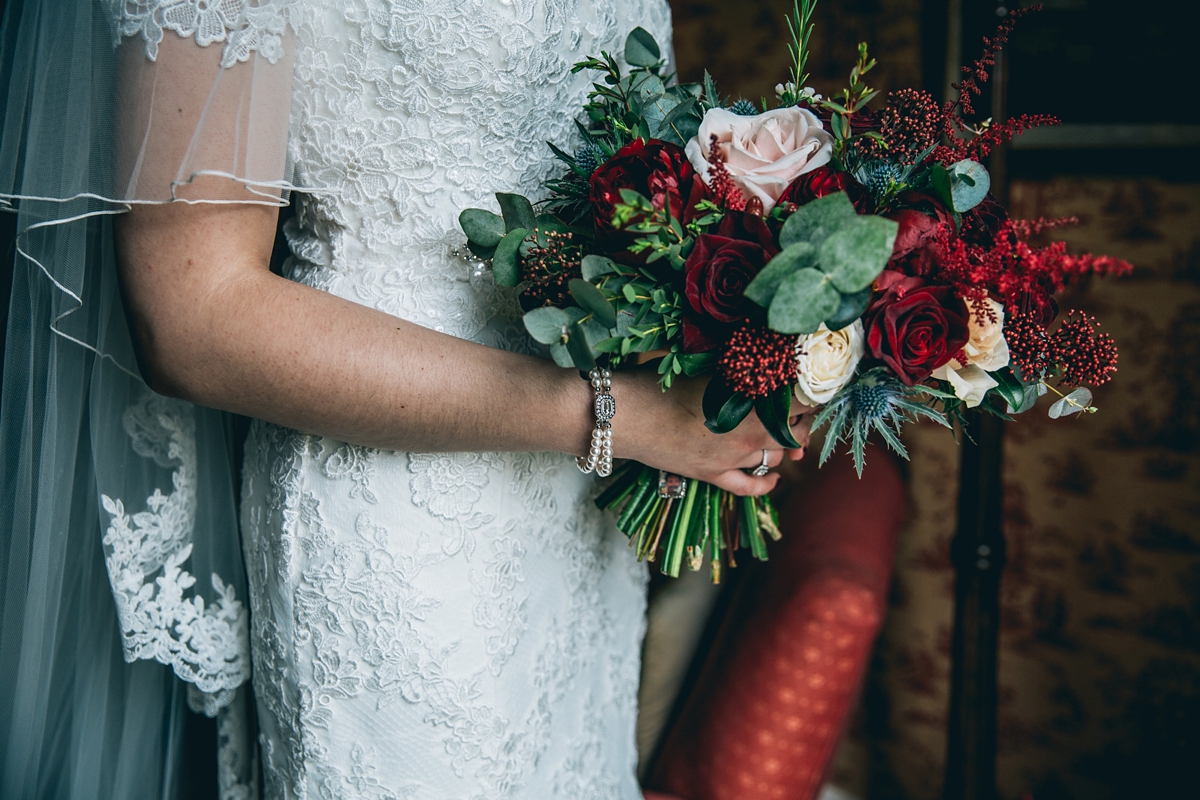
(986, 351)
(765, 153)
(825, 362)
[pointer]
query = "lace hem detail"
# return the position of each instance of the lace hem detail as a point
(245, 26)
(206, 644)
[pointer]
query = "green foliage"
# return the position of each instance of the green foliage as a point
(800, 26)
(724, 409)
(805, 299)
(592, 300)
(483, 228)
(641, 50)
(517, 211)
(506, 261)
(969, 184)
(876, 402)
(547, 325)
(774, 411)
(831, 256)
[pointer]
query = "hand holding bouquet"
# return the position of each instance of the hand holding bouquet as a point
(818, 252)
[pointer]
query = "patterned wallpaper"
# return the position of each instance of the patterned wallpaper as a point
(1100, 650)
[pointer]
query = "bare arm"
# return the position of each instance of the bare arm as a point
(214, 326)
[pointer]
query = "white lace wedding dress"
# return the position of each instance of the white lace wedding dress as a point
(436, 626)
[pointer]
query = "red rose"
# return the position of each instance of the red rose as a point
(658, 170)
(716, 275)
(914, 327)
(822, 181)
(919, 222)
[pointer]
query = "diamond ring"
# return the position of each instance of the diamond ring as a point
(761, 469)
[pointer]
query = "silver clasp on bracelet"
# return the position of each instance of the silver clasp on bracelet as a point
(600, 455)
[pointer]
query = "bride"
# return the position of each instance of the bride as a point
(436, 608)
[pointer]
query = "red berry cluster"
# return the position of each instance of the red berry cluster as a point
(910, 124)
(1086, 355)
(757, 360)
(550, 269)
(1030, 349)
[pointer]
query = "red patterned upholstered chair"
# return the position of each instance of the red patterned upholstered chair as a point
(771, 700)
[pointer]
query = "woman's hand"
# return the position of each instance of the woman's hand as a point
(666, 430)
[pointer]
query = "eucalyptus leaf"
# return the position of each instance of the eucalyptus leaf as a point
(814, 222)
(482, 227)
(594, 266)
(1073, 403)
(506, 263)
(681, 122)
(850, 307)
(774, 412)
(724, 409)
(854, 255)
(804, 300)
(577, 346)
(647, 84)
(609, 345)
(969, 184)
(547, 324)
(592, 299)
(517, 211)
(641, 50)
(560, 355)
(655, 109)
(801, 255)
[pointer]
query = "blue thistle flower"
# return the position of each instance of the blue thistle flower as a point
(878, 176)
(589, 157)
(744, 108)
(877, 401)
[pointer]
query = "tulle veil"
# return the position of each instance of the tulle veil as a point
(123, 599)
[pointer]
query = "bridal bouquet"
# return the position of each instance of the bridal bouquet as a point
(813, 251)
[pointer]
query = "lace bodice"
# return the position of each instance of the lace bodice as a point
(427, 625)
(414, 110)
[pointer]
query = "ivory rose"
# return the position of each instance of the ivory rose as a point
(764, 153)
(986, 351)
(825, 362)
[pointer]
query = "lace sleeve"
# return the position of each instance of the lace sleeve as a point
(197, 121)
(244, 26)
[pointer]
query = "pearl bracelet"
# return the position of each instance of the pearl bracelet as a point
(600, 456)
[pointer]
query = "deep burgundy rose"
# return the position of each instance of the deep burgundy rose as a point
(822, 181)
(914, 327)
(981, 224)
(715, 279)
(920, 219)
(658, 170)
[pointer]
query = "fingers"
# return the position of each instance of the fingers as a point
(774, 458)
(796, 454)
(744, 484)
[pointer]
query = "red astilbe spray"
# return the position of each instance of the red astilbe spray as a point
(757, 360)
(979, 144)
(723, 190)
(1025, 228)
